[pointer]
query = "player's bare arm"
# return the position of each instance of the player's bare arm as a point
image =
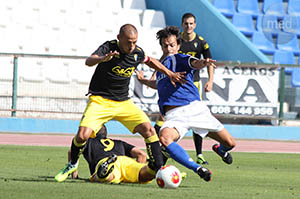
(96, 59)
(201, 63)
(174, 77)
(209, 84)
(139, 155)
(148, 82)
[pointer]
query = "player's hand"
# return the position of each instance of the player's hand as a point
(208, 86)
(178, 77)
(110, 55)
(139, 74)
(205, 62)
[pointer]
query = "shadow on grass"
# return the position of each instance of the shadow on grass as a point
(79, 180)
(43, 179)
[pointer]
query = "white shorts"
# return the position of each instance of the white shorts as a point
(195, 116)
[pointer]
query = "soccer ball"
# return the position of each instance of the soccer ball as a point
(168, 177)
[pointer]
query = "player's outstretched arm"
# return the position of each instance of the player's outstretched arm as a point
(174, 77)
(148, 82)
(96, 59)
(200, 63)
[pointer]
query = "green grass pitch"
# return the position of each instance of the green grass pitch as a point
(28, 172)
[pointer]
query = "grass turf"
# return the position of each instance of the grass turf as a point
(28, 172)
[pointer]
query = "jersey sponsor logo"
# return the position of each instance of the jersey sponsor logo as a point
(118, 70)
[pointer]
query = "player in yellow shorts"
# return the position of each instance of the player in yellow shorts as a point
(109, 99)
(115, 161)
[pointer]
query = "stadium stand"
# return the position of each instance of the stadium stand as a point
(248, 7)
(296, 77)
(262, 43)
(293, 7)
(153, 18)
(244, 23)
(226, 7)
(31, 69)
(284, 57)
(288, 45)
(134, 4)
(273, 7)
(6, 64)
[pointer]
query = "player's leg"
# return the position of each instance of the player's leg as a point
(167, 138)
(107, 170)
(77, 147)
(198, 141)
(152, 145)
(90, 123)
(75, 173)
(137, 121)
(158, 124)
(227, 143)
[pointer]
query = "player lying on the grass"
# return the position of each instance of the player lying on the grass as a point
(115, 161)
(182, 107)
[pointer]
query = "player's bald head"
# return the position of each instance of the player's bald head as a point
(128, 29)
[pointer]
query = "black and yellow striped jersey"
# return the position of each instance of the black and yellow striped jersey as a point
(197, 47)
(100, 147)
(111, 79)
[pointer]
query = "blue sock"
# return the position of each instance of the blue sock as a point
(180, 155)
(223, 149)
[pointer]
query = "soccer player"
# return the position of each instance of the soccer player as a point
(115, 161)
(194, 45)
(116, 60)
(182, 108)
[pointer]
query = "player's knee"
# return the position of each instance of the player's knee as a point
(82, 137)
(165, 141)
(145, 129)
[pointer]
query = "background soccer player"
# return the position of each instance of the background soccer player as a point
(194, 45)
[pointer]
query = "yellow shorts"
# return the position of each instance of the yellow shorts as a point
(100, 110)
(126, 169)
(197, 84)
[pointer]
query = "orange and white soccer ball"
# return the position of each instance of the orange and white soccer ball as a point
(168, 177)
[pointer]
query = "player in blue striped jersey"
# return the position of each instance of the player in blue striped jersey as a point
(182, 107)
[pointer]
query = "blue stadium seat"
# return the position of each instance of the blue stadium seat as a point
(248, 7)
(284, 57)
(226, 7)
(294, 7)
(273, 7)
(244, 23)
(267, 24)
(295, 81)
(262, 43)
(288, 43)
(298, 30)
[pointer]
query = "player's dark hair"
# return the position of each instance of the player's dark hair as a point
(167, 32)
(187, 15)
